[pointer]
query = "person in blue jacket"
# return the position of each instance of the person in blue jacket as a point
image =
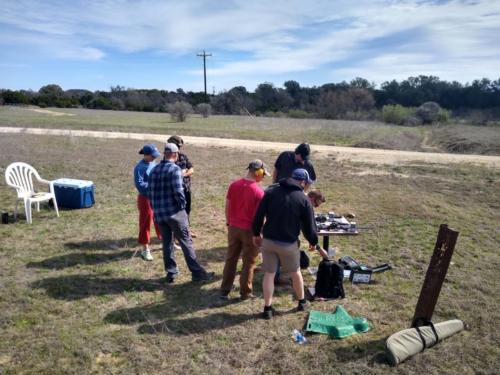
(141, 173)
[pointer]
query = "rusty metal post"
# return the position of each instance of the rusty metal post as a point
(435, 275)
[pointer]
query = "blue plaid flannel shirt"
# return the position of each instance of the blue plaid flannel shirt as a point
(165, 191)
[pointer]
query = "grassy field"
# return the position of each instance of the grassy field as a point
(73, 301)
(451, 138)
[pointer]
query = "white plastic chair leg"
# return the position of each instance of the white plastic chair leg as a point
(15, 211)
(27, 210)
(38, 206)
(55, 206)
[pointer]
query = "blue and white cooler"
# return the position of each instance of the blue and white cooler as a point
(72, 193)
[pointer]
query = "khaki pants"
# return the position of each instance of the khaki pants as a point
(239, 243)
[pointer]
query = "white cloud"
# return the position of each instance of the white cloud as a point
(278, 37)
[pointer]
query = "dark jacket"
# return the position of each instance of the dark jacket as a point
(286, 164)
(287, 210)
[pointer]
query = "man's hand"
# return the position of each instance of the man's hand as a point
(257, 241)
(322, 252)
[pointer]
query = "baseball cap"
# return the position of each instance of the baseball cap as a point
(176, 139)
(303, 150)
(258, 164)
(300, 174)
(171, 147)
(149, 149)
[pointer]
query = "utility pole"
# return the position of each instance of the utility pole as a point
(204, 55)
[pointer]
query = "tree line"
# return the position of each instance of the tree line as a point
(357, 99)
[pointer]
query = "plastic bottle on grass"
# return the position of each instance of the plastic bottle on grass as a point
(298, 337)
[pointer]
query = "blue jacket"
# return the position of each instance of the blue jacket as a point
(141, 176)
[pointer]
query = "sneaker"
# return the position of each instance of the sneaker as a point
(224, 296)
(146, 255)
(268, 313)
(170, 279)
(303, 305)
(206, 277)
(244, 297)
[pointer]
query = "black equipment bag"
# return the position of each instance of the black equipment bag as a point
(329, 280)
(304, 260)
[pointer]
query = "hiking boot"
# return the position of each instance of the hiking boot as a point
(268, 313)
(303, 305)
(146, 255)
(206, 277)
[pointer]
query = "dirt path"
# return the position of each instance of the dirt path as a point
(367, 155)
(425, 145)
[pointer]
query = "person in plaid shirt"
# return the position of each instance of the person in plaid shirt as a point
(166, 194)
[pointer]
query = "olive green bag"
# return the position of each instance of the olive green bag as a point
(408, 342)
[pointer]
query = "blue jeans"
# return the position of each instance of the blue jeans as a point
(177, 226)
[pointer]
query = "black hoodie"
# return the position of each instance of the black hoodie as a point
(286, 209)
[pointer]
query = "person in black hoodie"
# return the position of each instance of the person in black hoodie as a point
(286, 210)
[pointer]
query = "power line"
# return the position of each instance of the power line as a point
(205, 55)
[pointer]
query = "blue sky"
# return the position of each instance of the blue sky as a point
(153, 44)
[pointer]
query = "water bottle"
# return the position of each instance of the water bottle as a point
(298, 337)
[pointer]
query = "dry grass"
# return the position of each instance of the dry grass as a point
(72, 300)
(453, 138)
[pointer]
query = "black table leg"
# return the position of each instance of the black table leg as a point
(326, 242)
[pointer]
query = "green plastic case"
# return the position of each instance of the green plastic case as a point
(339, 324)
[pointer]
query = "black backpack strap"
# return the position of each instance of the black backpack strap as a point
(421, 337)
(429, 323)
(420, 322)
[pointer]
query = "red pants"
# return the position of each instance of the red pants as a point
(145, 220)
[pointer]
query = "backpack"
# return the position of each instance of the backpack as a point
(329, 280)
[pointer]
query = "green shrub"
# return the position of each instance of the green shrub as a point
(298, 113)
(444, 116)
(277, 114)
(204, 109)
(179, 111)
(428, 112)
(397, 114)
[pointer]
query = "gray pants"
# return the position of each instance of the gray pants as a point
(177, 226)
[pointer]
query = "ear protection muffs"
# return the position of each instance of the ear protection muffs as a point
(259, 172)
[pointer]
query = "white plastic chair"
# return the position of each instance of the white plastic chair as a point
(20, 177)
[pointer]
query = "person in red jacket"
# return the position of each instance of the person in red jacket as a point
(242, 199)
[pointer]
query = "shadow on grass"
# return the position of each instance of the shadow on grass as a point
(77, 287)
(372, 349)
(216, 254)
(196, 325)
(171, 312)
(70, 260)
(107, 244)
